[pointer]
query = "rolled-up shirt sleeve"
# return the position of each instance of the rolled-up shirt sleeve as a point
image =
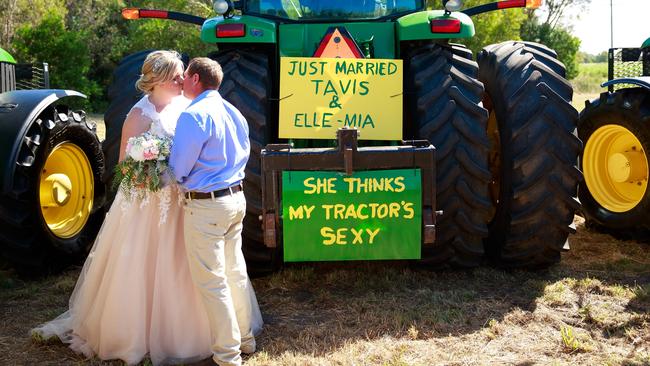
(187, 144)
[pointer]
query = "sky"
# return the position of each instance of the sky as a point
(592, 26)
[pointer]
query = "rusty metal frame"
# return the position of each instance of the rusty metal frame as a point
(345, 157)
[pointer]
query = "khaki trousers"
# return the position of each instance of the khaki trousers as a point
(213, 241)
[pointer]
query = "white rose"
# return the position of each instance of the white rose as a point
(137, 152)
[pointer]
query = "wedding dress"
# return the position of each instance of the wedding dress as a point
(135, 297)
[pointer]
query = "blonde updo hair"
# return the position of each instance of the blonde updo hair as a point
(158, 67)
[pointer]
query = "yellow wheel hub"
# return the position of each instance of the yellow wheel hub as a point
(615, 168)
(66, 190)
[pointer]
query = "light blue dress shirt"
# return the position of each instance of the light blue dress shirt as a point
(211, 145)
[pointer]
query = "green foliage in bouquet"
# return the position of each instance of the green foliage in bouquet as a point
(146, 166)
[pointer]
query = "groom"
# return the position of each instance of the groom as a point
(208, 158)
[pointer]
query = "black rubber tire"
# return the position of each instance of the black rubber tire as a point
(247, 84)
(122, 95)
(629, 108)
(27, 242)
(444, 96)
(527, 90)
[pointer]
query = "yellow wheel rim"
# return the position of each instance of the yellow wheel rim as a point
(615, 168)
(66, 190)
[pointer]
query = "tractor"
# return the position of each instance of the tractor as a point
(51, 198)
(491, 142)
(614, 194)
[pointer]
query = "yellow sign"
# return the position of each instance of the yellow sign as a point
(320, 95)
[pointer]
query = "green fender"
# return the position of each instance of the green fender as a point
(6, 57)
(646, 43)
(19, 110)
(417, 26)
(258, 30)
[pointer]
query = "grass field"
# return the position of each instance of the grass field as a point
(586, 86)
(592, 309)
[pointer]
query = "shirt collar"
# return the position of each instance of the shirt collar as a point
(210, 93)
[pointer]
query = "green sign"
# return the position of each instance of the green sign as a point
(330, 216)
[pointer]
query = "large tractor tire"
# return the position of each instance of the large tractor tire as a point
(445, 104)
(122, 95)
(247, 85)
(534, 162)
(614, 194)
(52, 213)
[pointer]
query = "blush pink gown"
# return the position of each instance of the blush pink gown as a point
(135, 297)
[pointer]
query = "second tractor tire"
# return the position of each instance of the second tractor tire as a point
(535, 157)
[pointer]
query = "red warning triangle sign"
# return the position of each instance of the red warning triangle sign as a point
(338, 43)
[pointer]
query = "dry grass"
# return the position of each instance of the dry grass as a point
(593, 308)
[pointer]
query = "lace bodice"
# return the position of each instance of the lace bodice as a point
(163, 123)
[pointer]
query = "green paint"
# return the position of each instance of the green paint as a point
(417, 26)
(302, 40)
(376, 39)
(258, 30)
(6, 57)
(646, 43)
(394, 232)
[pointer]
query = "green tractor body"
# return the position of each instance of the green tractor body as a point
(615, 193)
(50, 202)
(300, 39)
(6, 57)
(500, 185)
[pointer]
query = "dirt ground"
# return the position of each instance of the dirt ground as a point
(591, 309)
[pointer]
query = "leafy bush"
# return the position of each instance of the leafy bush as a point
(557, 38)
(64, 50)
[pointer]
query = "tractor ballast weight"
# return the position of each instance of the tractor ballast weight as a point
(497, 191)
(50, 206)
(346, 157)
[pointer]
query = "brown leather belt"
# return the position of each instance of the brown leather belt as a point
(214, 194)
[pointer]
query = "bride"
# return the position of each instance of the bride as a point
(135, 296)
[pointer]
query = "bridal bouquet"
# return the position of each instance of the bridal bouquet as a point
(146, 166)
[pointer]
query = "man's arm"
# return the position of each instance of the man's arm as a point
(188, 142)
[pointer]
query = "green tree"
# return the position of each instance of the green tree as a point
(558, 38)
(550, 26)
(16, 13)
(165, 34)
(495, 26)
(491, 27)
(64, 50)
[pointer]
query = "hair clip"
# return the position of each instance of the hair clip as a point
(157, 66)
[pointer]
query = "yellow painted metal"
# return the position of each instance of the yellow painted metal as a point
(615, 168)
(66, 190)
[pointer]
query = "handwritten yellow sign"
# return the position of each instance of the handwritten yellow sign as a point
(320, 95)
